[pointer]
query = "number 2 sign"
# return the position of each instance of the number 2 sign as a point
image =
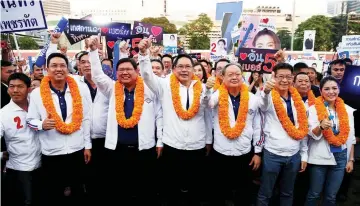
(213, 47)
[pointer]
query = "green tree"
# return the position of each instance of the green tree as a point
(324, 29)
(24, 42)
(197, 32)
(169, 28)
(339, 25)
(285, 38)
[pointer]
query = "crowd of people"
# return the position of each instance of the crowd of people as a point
(174, 129)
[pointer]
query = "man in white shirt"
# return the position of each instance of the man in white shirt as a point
(184, 103)
(99, 112)
(130, 133)
(22, 173)
(286, 135)
(60, 114)
(236, 107)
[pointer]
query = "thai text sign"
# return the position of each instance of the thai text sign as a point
(350, 43)
(87, 27)
(257, 59)
(22, 16)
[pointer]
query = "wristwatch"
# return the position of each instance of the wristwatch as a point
(352, 160)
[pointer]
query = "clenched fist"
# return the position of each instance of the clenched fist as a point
(210, 82)
(93, 43)
(55, 38)
(270, 84)
(144, 45)
(48, 123)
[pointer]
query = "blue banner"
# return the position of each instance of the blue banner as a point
(30, 64)
(41, 60)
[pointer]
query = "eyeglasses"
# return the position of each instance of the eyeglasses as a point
(127, 70)
(187, 67)
(288, 77)
(338, 69)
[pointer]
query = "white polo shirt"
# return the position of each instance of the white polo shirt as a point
(22, 143)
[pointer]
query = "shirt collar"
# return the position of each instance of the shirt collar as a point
(191, 84)
(14, 107)
(4, 84)
(58, 91)
(127, 91)
(304, 99)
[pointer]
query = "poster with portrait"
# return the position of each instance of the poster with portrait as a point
(258, 32)
(218, 49)
(170, 43)
(309, 40)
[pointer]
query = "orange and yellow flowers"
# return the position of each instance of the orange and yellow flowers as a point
(77, 115)
(292, 131)
(311, 98)
(175, 90)
(344, 128)
(217, 84)
(138, 104)
(224, 122)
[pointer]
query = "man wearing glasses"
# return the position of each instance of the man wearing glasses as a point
(286, 128)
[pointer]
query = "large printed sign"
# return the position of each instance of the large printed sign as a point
(73, 38)
(87, 27)
(257, 59)
(229, 13)
(22, 16)
(350, 86)
(350, 43)
(218, 49)
(147, 30)
(132, 41)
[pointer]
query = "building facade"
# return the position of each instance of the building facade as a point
(56, 7)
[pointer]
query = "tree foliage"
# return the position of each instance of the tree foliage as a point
(324, 28)
(285, 38)
(197, 32)
(339, 23)
(169, 28)
(24, 42)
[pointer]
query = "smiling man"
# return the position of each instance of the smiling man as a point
(59, 112)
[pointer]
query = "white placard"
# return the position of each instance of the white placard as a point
(309, 40)
(350, 43)
(170, 40)
(218, 47)
(22, 15)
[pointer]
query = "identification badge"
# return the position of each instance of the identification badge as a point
(335, 149)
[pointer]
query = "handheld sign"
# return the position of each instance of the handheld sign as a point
(257, 59)
(58, 29)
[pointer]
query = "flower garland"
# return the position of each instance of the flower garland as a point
(344, 128)
(138, 104)
(77, 115)
(292, 131)
(194, 108)
(235, 132)
(311, 98)
(217, 84)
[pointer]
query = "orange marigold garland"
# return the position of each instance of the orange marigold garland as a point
(217, 84)
(235, 132)
(77, 115)
(344, 128)
(292, 131)
(138, 104)
(311, 98)
(175, 90)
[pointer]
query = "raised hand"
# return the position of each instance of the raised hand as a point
(55, 38)
(210, 81)
(144, 45)
(270, 84)
(93, 43)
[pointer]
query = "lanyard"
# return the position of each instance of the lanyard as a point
(334, 120)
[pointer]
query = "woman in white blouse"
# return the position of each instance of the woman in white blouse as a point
(331, 147)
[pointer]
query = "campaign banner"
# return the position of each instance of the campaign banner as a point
(350, 43)
(257, 59)
(170, 43)
(132, 41)
(218, 49)
(22, 16)
(350, 86)
(147, 30)
(87, 27)
(344, 54)
(41, 60)
(254, 33)
(73, 38)
(309, 40)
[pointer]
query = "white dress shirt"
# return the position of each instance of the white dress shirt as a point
(22, 143)
(99, 112)
(52, 141)
(277, 140)
(151, 113)
(242, 144)
(181, 134)
(319, 148)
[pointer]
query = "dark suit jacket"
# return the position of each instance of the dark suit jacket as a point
(315, 90)
(309, 43)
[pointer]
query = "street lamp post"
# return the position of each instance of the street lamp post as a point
(293, 26)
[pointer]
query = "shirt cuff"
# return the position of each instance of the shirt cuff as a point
(258, 149)
(144, 58)
(263, 94)
(304, 157)
(159, 144)
(88, 145)
(40, 125)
